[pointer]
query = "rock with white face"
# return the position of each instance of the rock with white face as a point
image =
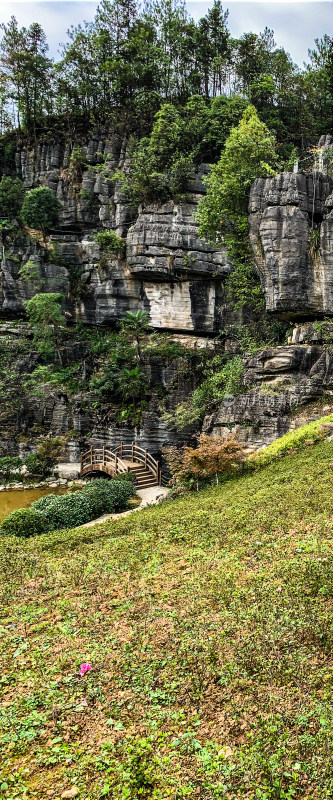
(291, 231)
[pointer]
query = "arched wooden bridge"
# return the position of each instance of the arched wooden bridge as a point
(124, 458)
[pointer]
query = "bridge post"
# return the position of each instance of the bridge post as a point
(103, 456)
(121, 449)
(116, 464)
(81, 462)
(91, 456)
(132, 451)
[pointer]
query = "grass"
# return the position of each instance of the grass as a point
(208, 625)
(292, 441)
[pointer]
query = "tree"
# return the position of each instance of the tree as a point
(44, 312)
(40, 210)
(132, 385)
(161, 165)
(135, 327)
(213, 43)
(250, 152)
(27, 72)
(11, 197)
(254, 56)
(213, 456)
(322, 62)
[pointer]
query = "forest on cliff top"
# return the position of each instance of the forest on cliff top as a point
(121, 69)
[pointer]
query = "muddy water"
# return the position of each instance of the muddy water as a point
(11, 500)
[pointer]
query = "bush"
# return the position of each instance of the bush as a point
(68, 511)
(36, 465)
(98, 497)
(109, 242)
(110, 495)
(125, 476)
(24, 522)
(40, 209)
(43, 503)
(293, 441)
(8, 468)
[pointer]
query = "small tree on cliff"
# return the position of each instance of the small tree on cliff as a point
(44, 311)
(135, 327)
(11, 197)
(248, 154)
(212, 457)
(40, 210)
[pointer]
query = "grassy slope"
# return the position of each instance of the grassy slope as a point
(209, 628)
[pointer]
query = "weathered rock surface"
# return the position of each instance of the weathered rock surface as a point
(168, 270)
(291, 230)
(56, 412)
(281, 382)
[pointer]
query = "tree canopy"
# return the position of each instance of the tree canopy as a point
(40, 209)
(122, 67)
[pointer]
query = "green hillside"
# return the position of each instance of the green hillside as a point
(207, 623)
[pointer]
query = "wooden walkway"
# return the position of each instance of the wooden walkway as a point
(124, 458)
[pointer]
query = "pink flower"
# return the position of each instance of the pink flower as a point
(279, 589)
(85, 668)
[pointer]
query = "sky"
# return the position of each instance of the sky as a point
(296, 23)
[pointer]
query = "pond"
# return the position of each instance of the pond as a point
(11, 500)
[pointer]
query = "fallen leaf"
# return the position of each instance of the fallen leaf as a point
(71, 792)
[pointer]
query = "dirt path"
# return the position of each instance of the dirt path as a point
(149, 496)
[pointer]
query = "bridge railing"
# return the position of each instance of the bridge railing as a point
(132, 452)
(99, 457)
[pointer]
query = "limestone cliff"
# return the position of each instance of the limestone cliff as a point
(291, 230)
(179, 280)
(283, 388)
(167, 269)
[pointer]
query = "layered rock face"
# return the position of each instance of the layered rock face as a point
(283, 387)
(291, 230)
(168, 270)
(55, 411)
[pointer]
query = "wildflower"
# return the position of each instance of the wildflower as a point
(279, 589)
(85, 668)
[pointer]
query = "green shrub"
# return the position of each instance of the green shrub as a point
(98, 497)
(8, 468)
(43, 503)
(110, 495)
(40, 209)
(111, 243)
(69, 511)
(294, 440)
(24, 522)
(11, 197)
(36, 465)
(124, 476)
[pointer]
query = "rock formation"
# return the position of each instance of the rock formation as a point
(168, 270)
(179, 280)
(291, 230)
(282, 387)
